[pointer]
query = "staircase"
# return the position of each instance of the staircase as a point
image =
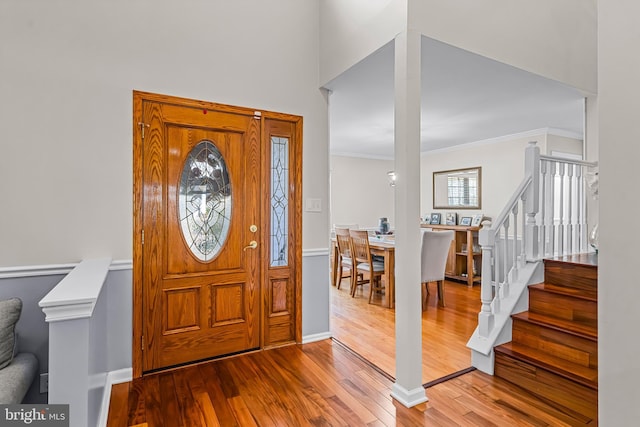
(554, 349)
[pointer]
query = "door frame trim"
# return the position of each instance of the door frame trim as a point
(296, 209)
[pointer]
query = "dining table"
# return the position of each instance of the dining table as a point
(382, 246)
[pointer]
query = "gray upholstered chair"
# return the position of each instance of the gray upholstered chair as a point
(434, 253)
(17, 370)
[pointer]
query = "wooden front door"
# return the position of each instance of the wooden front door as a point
(200, 218)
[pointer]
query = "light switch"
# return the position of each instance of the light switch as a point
(313, 205)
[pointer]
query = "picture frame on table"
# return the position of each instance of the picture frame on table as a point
(466, 220)
(477, 220)
(451, 218)
(435, 218)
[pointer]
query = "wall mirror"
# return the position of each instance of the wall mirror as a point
(458, 189)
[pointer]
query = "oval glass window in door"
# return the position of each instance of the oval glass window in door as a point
(204, 201)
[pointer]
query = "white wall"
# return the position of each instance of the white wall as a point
(619, 136)
(499, 158)
(502, 164)
(563, 144)
(68, 70)
(352, 30)
(360, 191)
(554, 39)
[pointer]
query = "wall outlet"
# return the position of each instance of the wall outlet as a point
(44, 383)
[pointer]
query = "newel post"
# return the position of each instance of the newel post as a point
(486, 239)
(532, 200)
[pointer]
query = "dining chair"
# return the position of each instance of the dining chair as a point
(434, 253)
(364, 263)
(343, 241)
(353, 226)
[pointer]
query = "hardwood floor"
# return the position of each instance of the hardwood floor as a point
(315, 384)
(326, 383)
(369, 329)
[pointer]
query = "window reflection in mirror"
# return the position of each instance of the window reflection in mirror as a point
(458, 189)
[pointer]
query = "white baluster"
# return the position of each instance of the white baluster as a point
(514, 264)
(561, 172)
(571, 200)
(582, 241)
(506, 267)
(486, 318)
(523, 235)
(497, 262)
(543, 207)
(554, 190)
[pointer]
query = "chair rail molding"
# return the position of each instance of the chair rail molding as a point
(315, 252)
(54, 269)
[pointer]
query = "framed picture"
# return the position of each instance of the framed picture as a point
(465, 220)
(426, 219)
(435, 218)
(477, 220)
(451, 218)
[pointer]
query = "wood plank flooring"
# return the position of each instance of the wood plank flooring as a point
(324, 383)
(369, 329)
(315, 384)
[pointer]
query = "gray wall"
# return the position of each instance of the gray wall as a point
(315, 295)
(119, 295)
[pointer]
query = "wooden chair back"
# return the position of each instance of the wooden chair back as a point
(363, 262)
(343, 241)
(360, 250)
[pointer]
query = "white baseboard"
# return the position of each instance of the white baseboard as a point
(113, 377)
(316, 337)
(409, 398)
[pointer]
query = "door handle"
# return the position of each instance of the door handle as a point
(252, 245)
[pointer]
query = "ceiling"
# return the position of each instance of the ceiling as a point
(465, 98)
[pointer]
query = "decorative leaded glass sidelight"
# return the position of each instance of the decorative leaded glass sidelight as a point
(204, 201)
(279, 201)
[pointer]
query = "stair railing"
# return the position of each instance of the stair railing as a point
(546, 216)
(563, 196)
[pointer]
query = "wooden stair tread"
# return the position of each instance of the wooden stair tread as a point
(582, 330)
(585, 294)
(585, 376)
(589, 260)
